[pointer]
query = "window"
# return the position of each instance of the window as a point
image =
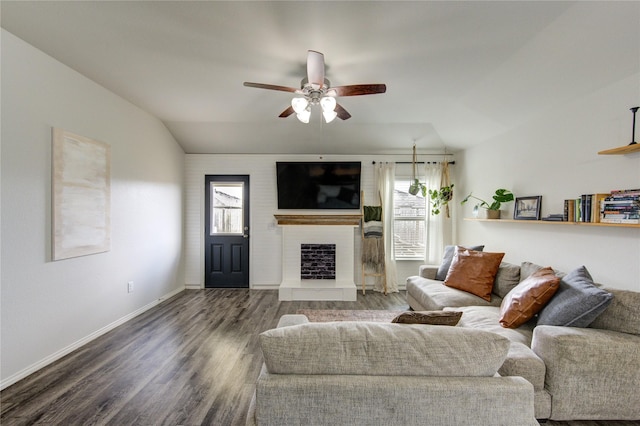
(226, 208)
(409, 225)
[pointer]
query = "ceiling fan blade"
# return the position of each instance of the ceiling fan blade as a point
(315, 69)
(271, 87)
(360, 89)
(287, 112)
(343, 114)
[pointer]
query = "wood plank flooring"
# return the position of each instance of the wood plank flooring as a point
(192, 360)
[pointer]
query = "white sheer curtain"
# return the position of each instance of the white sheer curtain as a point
(439, 232)
(384, 174)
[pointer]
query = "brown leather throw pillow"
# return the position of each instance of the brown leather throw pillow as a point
(528, 298)
(428, 317)
(473, 271)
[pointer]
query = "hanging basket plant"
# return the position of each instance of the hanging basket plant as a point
(440, 198)
(416, 186)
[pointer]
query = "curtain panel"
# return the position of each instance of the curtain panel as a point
(384, 178)
(439, 228)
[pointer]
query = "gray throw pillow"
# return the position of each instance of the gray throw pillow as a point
(577, 302)
(447, 258)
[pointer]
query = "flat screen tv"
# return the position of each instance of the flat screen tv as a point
(318, 185)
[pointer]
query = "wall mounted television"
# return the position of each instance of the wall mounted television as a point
(318, 185)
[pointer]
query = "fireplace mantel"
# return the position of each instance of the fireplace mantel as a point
(318, 219)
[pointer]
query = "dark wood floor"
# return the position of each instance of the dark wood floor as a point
(192, 360)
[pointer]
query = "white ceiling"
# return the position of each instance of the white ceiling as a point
(457, 73)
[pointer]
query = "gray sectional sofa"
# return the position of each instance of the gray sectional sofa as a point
(578, 373)
(369, 373)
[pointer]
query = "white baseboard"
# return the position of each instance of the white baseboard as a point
(265, 286)
(72, 347)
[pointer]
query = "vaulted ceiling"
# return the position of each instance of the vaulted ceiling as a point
(457, 73)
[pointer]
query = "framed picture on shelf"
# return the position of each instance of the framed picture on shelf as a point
(527, 208)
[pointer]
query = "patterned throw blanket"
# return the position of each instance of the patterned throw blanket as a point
(372, 243)
(372, 229)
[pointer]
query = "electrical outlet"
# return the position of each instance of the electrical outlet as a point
(130, 287)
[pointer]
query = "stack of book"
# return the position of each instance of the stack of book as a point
(555, 217)
(586, 208)
(621, 206)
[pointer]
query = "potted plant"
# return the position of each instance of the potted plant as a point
(493, 209)
(416, 186)
(440, 198)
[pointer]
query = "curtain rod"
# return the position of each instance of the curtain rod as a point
(418, 162)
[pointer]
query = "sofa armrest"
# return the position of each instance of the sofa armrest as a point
(590, 373)
(292, 319)
(428, 271)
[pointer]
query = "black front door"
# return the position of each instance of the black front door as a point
(226, 231)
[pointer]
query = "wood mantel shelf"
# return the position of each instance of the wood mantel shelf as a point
(318, 219)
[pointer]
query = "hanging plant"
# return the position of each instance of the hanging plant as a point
(440, 198)
(416, 186)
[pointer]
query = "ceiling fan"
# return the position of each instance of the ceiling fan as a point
(315, 89)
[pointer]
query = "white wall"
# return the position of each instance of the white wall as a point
(50, 307)
(266, 238)
(555, 155)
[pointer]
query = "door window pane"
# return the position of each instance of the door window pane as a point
(226, 208)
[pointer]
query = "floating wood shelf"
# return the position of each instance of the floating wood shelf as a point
(622, 150)
(553, 222)
(318, 219)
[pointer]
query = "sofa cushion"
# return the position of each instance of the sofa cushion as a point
(528, 298)
(474, 271)
(428, 317)
(507, 277)
(486, 318)
(433, 296)
(576, 303)
(622, 315)
(385, 349)
(521, 360)
(447, 258)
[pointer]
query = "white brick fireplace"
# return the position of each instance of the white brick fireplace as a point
(318, 229)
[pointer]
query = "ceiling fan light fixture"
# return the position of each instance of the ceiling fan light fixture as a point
(328, 103)
(329, 115)
(299, 105)
(304, 115)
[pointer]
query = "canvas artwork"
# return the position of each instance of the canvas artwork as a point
(81, 195)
